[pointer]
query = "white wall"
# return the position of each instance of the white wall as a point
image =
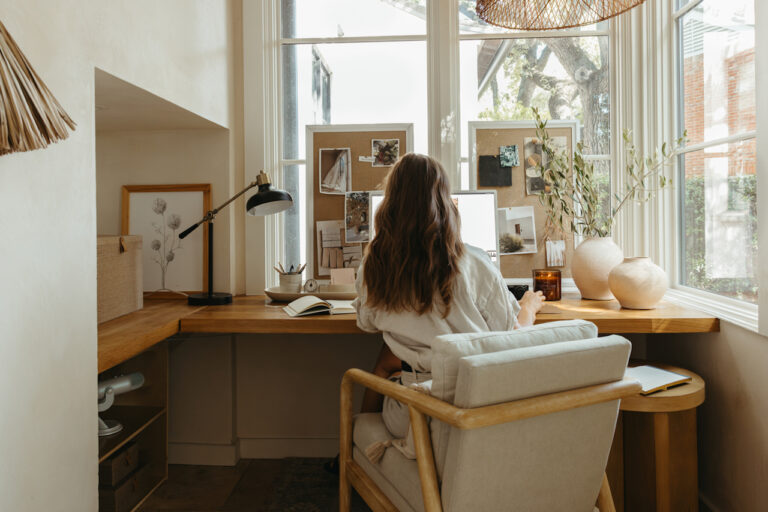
(732, 422)
(182, 50)
(158, 157)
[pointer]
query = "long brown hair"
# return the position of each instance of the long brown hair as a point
(414, 256)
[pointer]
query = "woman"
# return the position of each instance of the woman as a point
(418, 281)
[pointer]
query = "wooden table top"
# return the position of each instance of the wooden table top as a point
(126, 336)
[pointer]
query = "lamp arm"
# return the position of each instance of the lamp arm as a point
(212, 213)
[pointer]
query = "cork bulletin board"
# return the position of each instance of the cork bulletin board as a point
(365, 176)
(486, 138)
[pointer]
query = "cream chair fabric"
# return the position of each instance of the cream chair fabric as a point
(548, 463)
(449, 349)
(545, 463)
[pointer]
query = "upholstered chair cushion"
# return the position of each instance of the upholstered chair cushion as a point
(553, 462)
(449, 349)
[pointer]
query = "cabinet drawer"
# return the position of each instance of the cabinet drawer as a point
(119, 465)
(128, 492)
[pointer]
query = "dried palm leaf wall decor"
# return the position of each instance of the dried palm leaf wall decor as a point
(550, 14)
(30, 117)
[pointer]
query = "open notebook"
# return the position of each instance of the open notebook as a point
(310, 305)
(655, 379)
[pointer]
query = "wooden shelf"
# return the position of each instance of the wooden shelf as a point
(134, 418)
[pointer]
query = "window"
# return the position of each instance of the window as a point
(366, 61)
(564, 77)
(346, 62)
(717, 169)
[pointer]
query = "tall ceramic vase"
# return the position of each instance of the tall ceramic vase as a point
(593, 260)
(638, 283)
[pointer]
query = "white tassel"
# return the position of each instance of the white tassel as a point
(375, 451)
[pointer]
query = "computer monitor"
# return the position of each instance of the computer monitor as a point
(477, 209)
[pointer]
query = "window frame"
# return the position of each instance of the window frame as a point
(263, 59)
(735, 311)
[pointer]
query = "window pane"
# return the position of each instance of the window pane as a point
(565, 78)
(718, 56)
(353, 83)
(338, 18)
(603, 178)
(720, 220)
(295, 182)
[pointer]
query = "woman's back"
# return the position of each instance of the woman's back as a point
(479, 302)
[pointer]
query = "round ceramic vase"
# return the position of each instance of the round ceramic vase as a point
(638, 283)
(593, 260)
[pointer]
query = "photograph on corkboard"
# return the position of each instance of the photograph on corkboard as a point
(356, 216)
(385, 152)
(509, 156)
(491, 173)
(517, 230)
(335, 170)
(332, 251)
(555, 253)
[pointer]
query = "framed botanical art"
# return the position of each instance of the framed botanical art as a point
(159, 213)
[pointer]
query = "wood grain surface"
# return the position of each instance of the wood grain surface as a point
(124, 337)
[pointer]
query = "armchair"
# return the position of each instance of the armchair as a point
(529, 428)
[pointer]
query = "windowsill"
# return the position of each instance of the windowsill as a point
(729, 310)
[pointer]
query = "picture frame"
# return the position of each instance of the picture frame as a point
(159, 213)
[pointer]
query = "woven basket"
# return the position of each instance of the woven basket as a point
(119, 276)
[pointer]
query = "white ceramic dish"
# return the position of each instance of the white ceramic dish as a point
(276, 294)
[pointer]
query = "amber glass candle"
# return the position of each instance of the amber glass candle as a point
(548, 282)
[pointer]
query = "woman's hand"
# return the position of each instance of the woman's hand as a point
(530, 304)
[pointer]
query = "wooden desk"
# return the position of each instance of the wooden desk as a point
(254, 315)
(124, 337)
(132, 343)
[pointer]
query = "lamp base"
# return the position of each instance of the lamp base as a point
(209, 299)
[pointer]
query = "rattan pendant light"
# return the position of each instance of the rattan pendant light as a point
(30, 117)
(550, 14)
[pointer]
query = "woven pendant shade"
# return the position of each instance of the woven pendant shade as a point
(30, 117)
(550, 14)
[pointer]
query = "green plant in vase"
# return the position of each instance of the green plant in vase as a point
(572, 200)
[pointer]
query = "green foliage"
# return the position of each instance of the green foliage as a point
(510, 243)
(743, 192)
(576, 201)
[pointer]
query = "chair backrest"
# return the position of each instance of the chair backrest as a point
(553, 462)
(447, 350)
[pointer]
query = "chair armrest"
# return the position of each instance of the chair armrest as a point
(492, 414)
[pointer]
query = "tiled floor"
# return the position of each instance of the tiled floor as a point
(258, 485)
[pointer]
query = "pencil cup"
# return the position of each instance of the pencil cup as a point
(290, 283)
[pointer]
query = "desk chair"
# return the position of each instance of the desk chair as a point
(521, 420)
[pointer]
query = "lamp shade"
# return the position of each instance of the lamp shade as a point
(268, 200)
(550, 14)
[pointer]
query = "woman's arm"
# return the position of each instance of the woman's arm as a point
(530, 304)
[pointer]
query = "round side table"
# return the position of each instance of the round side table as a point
(657, 464)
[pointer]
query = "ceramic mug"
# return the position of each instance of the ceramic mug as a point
(290, 283)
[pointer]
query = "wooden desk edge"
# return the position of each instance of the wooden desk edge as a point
(187, 322)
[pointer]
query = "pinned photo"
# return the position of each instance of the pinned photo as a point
(517, 230)
(534, 161)
(555, 253)
(357, 217)
(509, 156)
(490, 172)
(332, 252)
(335, 170)
(385, 152)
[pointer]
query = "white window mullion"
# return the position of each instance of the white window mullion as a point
(443, 85)
(761, 77)
(261, 64)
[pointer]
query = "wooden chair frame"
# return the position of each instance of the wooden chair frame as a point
(420, 406)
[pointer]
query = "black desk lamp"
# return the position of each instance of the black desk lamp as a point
(264, 202)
